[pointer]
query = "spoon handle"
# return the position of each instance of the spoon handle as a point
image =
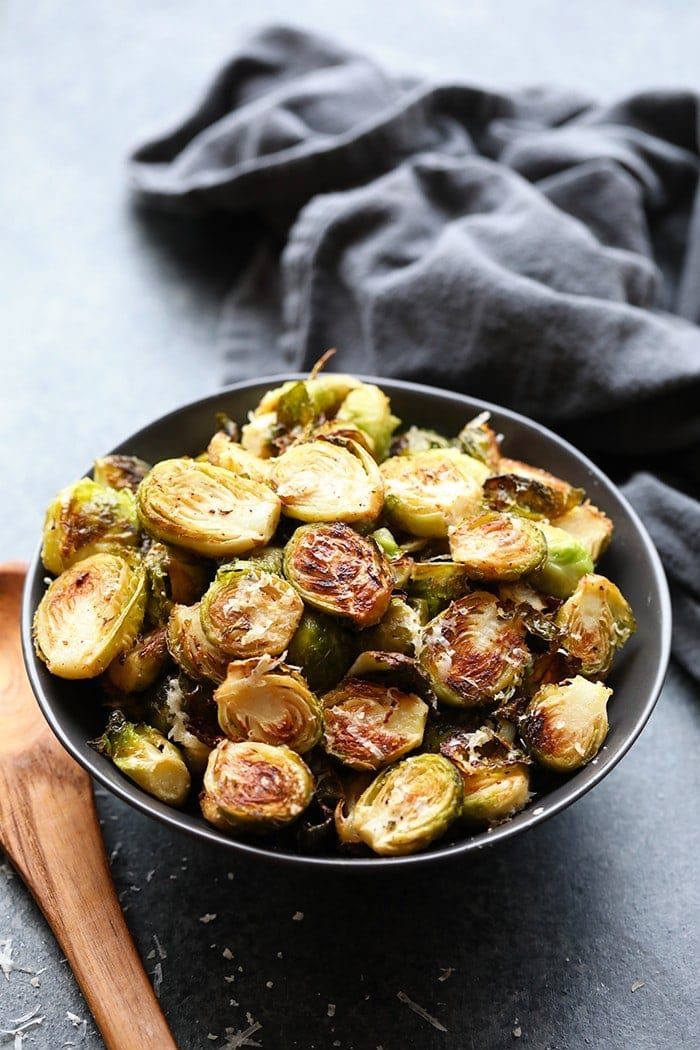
(52, 836)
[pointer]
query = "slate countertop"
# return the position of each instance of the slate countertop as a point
(582, 932)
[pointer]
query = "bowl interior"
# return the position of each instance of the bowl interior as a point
(74, 713)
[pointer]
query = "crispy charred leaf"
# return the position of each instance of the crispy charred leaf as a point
(566, 723)
(339, 572)
(495, 775)
(479, 440)
(120, 472)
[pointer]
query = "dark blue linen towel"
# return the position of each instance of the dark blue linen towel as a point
(533, 248)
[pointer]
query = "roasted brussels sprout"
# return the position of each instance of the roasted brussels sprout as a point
(496, 778)
(120, 472)
(368, 725)
(437, 583)
(529, 490)
(89, 614)
(566, 723)
(392, 669)
(322, 648)
(258, 434)
(206, 509)
(223, 452)
(590, 526)
(428, 491)
(250, 786)
(307, 401)
(566, 562)
(495, 546)
(146, 757)
(184, 712)
(86, 518)
(417, 439)
(479, 440)
(137, 668)
(261, 699)
(175, 577)
(339, 572)
(474, 652)
(594, 622)
(248, 611)
(409, 805)
(328, 481)
(191, 649)
(368, 408)
(398, 631)
(271, 559)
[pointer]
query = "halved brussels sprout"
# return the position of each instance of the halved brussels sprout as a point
(391, 668)
(534, 608)
(496, 546)
(89, 614)
(438, 583)
(328, 481)
(409, 805)
(206, 509)
(368, 408)
(267, 701)
(340, 572)
(250, 786)
(368, 725)
(427, 491)
(175, 577)
(590, 526)
(566, 723)
(345, 808)
(594, 623)
(191, 649)
(474, 652)
(322, 648)
(146, 757)
(137, 668)
(85, 518)
(120, 472)
(480, 440)
(184, 711)
(248, 611)
(258, 435)
(398, 631)
(496, 779)
(530, 490)
(418, 439)
(223, 452)
(566, 562)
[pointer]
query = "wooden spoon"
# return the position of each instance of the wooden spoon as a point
(50, 830)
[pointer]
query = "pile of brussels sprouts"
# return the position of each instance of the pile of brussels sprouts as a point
(331, 630)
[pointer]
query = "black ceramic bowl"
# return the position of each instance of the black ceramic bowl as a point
(75, 715)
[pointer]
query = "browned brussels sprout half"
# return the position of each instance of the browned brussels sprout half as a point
(495, 546)
(146, 757)
(328, 480)
(594, 622)
(566, 723)
(263, 700)
(175, 577)
(251, 786)
(479, 440)
(323, 648)
(191, 649)
(368, 725)
(474, 652)
(206, 509)
(428, 491)
(590, 526)
(339, 572)
(86, 518)
(529, 490)
(120, 472)
(248, 611)
(409, 805)
(495, 777)
(89, 614)
(398, 630)
(137, 668)
(437, 583)
(223, 452)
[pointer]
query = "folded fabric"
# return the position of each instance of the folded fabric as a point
(533, 248)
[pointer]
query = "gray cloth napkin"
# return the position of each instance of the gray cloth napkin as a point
(532, 248)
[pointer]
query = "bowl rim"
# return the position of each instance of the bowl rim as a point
(526, 819)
